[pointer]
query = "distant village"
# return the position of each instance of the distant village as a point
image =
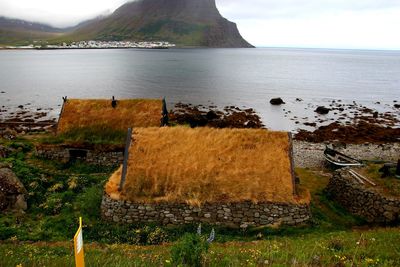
(99, 45)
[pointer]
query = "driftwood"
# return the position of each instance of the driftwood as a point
(356, 174)
(357, 178)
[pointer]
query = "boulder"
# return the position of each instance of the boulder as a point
(311, 124)
(12, 191)
(397, 105)
(276, 101)
(322, 110)
(212, 115)
(8, 133)
(4, 152)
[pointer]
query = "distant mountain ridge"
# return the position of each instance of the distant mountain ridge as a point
(184, 22)
(17, 24)
(14, 31)
(192, 23)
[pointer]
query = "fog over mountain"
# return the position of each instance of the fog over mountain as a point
(189, 23)
(311, 23)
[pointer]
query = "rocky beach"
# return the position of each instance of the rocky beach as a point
(360, 131)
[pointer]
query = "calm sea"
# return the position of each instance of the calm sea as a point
(240, 77)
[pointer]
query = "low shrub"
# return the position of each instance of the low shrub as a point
(190, 250)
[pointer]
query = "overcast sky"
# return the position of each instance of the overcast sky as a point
(372, 24)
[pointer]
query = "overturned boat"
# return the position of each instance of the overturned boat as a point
(340, 160)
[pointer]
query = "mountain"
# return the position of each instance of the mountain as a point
(15, 31)
(183, 22)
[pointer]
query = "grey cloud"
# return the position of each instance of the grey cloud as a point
(234, 10)
(265, 9)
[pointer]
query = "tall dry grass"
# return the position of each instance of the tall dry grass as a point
(206, 165)
(99, 114)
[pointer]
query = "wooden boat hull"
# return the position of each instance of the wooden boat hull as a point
(340, 160)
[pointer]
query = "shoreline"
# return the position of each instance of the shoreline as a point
(83, 48)
(353, 124)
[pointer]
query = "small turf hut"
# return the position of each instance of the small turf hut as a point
(105, 115)
(233, 177)
(94, 130)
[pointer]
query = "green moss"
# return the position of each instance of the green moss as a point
(96, 135)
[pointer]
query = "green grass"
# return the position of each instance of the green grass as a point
(326, 213)
(390, 185)
(88, 136)
(353, 248)
(60, 193)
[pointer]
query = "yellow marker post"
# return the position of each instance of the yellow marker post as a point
(78, 246)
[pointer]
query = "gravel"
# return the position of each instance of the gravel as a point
(310, 155)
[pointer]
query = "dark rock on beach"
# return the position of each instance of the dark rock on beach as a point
(24, 121)
(311, 124)
(212, 115)
(231, 117)
(276, 101)
(397, 105)
(322, 110)
(359, 133)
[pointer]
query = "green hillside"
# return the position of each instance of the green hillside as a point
(183, 22)
(20, 32)
(194, 23)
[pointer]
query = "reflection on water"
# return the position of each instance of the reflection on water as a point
(241, 77)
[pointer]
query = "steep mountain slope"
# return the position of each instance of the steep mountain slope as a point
(184, 22)
(15, 31)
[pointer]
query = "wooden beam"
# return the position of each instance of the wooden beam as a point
(357, 178)
(291, 157)
(364, 178)
(65, 99)
(126, 157)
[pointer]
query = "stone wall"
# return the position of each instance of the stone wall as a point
(65, 154)
(237, 215)
(363, 201)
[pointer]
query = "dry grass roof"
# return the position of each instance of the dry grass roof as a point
(98, 113)
(206, 165)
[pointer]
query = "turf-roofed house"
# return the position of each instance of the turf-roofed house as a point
(227, 177)
(94, 130)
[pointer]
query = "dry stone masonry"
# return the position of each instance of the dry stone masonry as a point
(362, 201)
(306, 155)
(236, 215)
(64, 154)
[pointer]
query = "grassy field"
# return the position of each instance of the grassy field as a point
(60, 193)
(352, 248)
(201, 165)
(389, 185)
